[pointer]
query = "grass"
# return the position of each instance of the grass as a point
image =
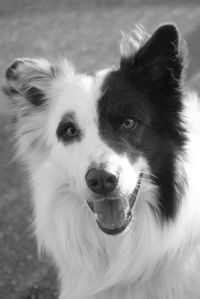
(88, 33)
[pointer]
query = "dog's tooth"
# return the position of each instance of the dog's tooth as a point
(121, 215)
(100, 217)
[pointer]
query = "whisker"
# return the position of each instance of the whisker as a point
(147, 179)
(149, 174)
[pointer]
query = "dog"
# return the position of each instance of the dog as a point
(113, 163)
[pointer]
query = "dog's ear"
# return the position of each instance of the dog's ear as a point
(158, 63)
(27, 80)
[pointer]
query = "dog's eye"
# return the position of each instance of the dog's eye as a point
(68, 131)
(129, 124)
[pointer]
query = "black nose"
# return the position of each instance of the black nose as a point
(101, 181)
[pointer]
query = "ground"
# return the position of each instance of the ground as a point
(88, 33)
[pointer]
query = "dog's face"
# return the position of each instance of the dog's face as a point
(109, 137)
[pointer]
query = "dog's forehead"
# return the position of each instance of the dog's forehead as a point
(78, 95)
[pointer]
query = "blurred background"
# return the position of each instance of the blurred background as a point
(88, 33)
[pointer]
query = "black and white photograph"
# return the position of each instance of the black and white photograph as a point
(99, 149)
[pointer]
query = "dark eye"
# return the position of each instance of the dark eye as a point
(71, 131)
(129, 124)
(68, 131)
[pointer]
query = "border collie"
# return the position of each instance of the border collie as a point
(114, 162)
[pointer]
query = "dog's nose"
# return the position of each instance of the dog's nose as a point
(101, 181)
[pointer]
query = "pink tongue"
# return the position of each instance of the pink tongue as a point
(111, 213)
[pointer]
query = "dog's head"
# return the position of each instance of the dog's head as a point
(110, 138)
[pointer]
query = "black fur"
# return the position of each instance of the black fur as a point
(148, 88)
(35, 96)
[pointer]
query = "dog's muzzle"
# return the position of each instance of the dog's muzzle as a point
(113, 213)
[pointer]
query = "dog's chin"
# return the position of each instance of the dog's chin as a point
(113, 215)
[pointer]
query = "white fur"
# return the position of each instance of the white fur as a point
(149, 260)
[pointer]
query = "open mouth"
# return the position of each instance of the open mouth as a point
(116, 230)
(114, 215)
